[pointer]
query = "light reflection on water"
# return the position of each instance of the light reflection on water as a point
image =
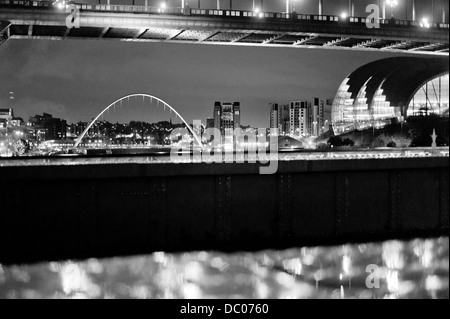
(415, 269)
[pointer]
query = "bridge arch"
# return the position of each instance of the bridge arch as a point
(80, 138)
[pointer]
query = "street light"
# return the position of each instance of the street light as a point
(425, 23)
(258, 13)
(60, 4)
(290, 6)
(162, 7)
(392, 4)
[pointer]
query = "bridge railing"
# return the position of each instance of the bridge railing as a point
(27, 3)
(329, 19)
(130, 8)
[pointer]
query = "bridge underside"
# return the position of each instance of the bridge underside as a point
(216, 30)
(293, 39)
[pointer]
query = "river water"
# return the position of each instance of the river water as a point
(393, 269)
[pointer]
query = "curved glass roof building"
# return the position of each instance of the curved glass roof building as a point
(390, 88)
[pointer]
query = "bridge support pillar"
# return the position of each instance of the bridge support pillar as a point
(383, 8)
(414, 10)
(4, 31)
(218, 4)
(182, 4)
(320, 7)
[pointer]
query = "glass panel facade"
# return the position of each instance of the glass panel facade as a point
(382, 110)
(350, 114)
(342, 111)
(361, 113)
(433, 97)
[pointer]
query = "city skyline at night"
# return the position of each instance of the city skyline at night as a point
(50, 75)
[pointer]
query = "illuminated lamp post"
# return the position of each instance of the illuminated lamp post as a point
(258, 9)
(392, 4)
(351, 8)
(443, 12)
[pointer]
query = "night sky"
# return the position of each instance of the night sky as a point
(76, 79)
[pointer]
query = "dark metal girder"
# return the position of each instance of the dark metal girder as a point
(5, 32)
